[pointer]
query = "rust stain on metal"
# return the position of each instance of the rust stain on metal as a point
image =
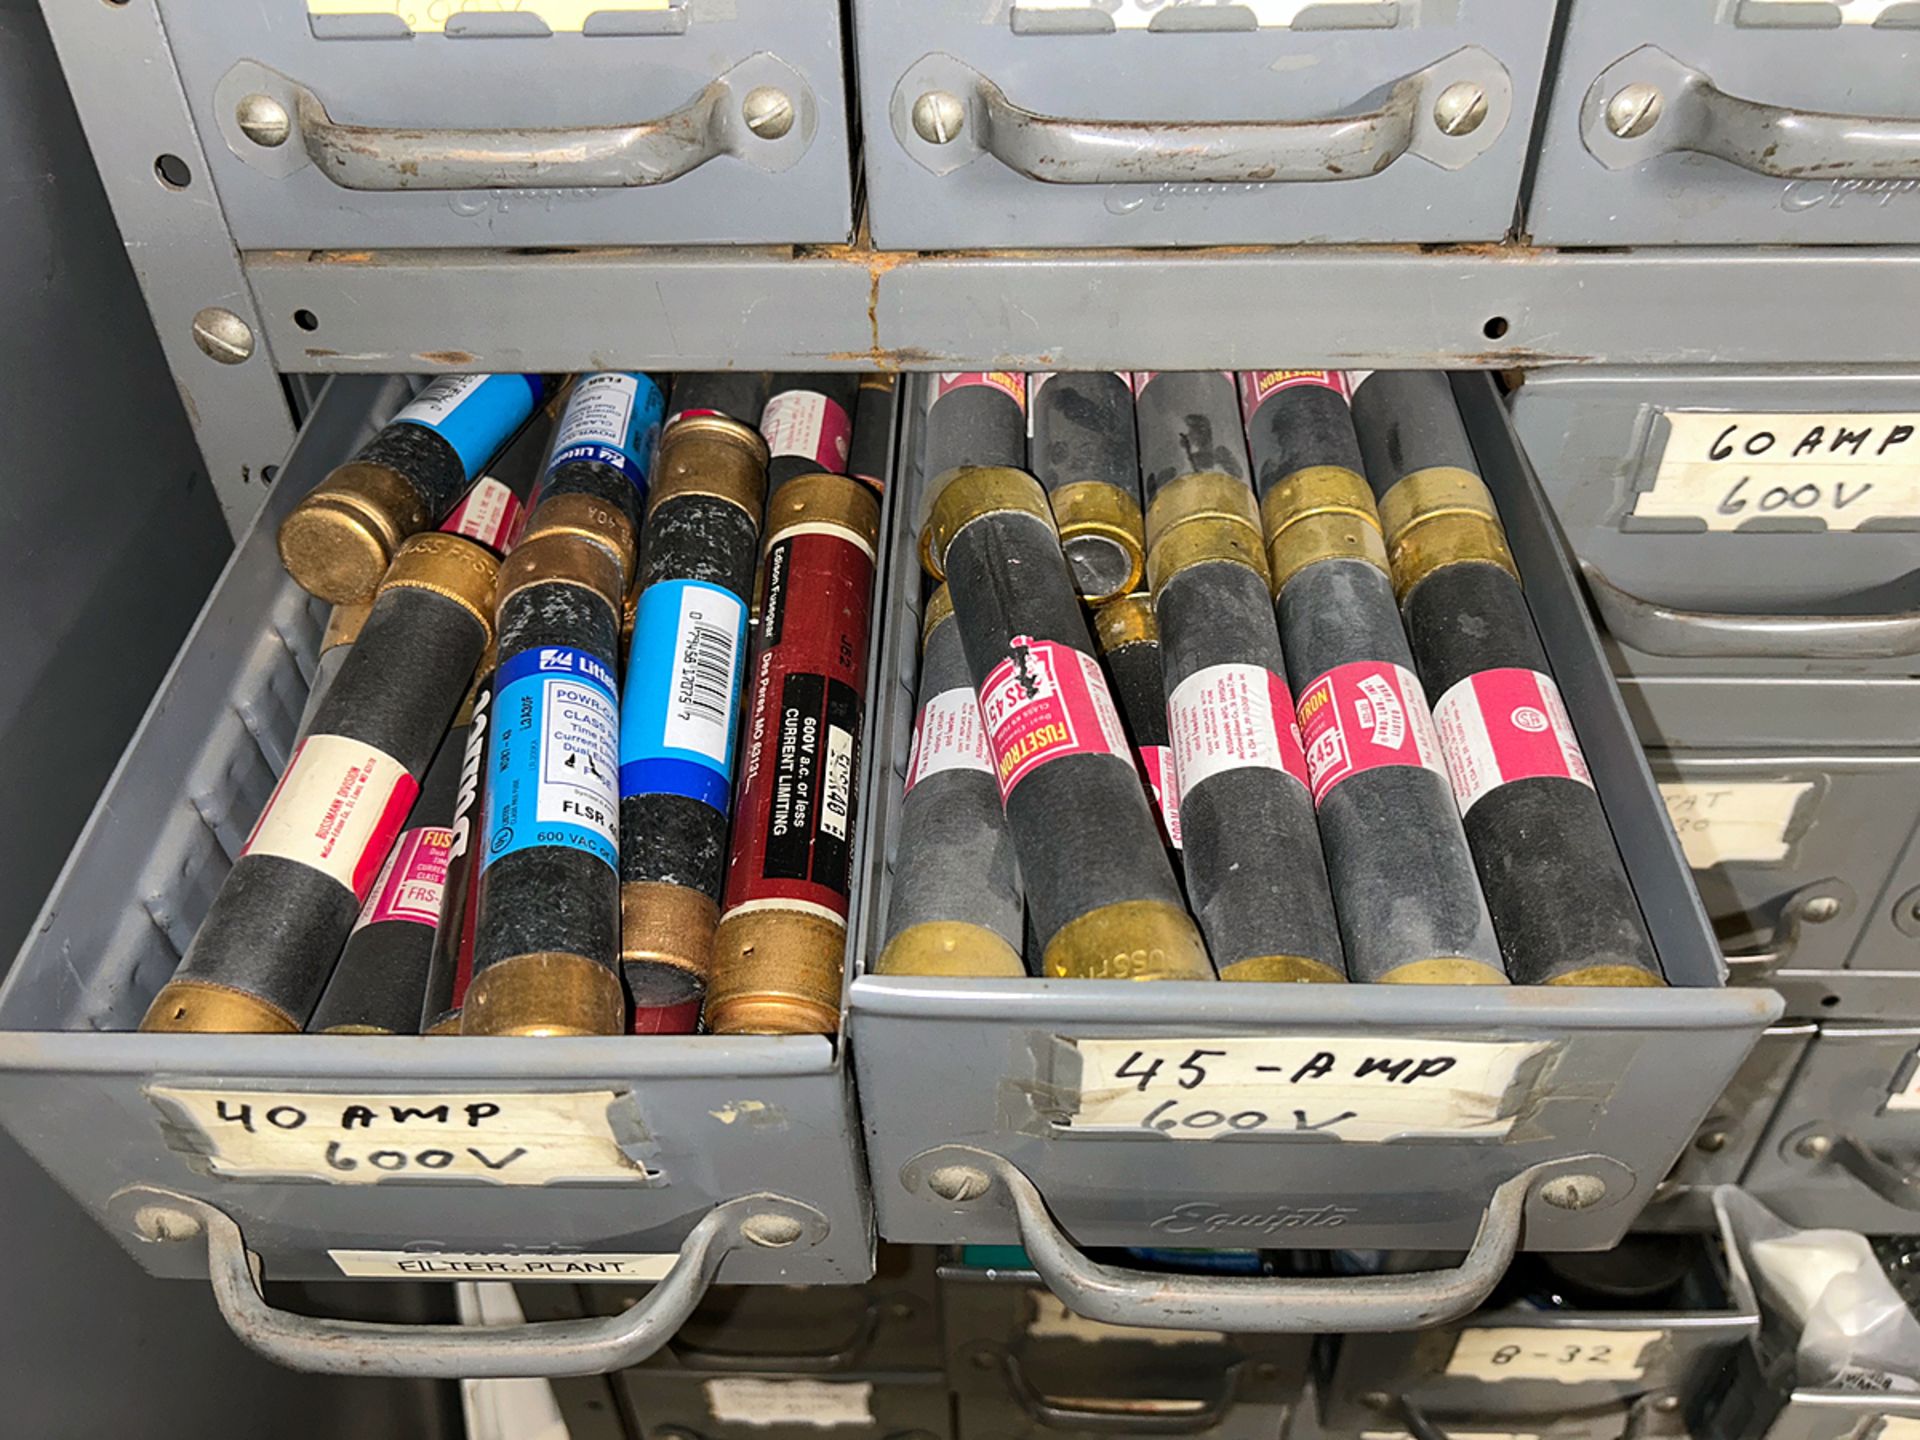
(458, 359)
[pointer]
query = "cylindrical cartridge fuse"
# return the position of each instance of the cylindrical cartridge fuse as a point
(343, 628)
(268, 945)
(780, 951)
(546, 941)
(339, 540)
(1128, 638)
(1189, 422)
(872, 432)
(679, 716)
(730, 394)
(1251, 847)
(603, 446)
(1562, 905)
(1085, 454)
(955, 908)
(1404, 886)
(450, 966)
(974, 417)
(808, 426)
(1100, 889)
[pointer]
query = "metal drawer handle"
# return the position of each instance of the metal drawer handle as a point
(1242, 1304)
(1656, 629)
(761, 112)
(947, 114)
(547, 1348)
(1893, 1182)
(1051, 1414)
(1648, 103)
(1827, 900)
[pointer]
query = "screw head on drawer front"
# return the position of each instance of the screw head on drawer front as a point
(163, 1222)
(768, 112)
(1460, 109)
(1820, 908)
(772, 1231)
(1712, 1142)
(959, 1183)
(1815, 1147)
(263, 120)
(938, 117)
(1634, 110)
(223, 335)
(1574, 1192)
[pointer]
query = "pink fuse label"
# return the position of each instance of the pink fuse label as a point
(1232, 717)
(1257, 385)
(1012, 383)
(1156, 761)
(489, 513)
(1505, 725)
(948, 735)
(807, 423)
(1045, 702)
(415, 878)
(1362, 715)
(337, 809)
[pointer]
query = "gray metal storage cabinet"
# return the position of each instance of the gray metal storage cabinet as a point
(1031, 122)
(970, 1088)
(1693, 122)
(690, 122)
(737, 1154)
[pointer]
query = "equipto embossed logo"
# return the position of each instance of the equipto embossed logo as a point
(1200, 1218)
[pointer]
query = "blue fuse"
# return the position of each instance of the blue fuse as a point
(339, 540)
(555, 740)
(680, 717)
(605, 442)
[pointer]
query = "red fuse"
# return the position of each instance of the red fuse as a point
(781, 944)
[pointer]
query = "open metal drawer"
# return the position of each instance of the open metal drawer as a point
(968, 1090)
(744, 1161)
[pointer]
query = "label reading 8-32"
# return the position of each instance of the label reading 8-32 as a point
(1570, 1357)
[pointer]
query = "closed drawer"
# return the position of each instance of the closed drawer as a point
(1020, 1364)
(1562, 1340)
(1844, 1145)
(673, 123)
(1743, 524)
(1070, 122)
(758, 1407)
(1761, 122)
(81, 1089)
(970, 1087)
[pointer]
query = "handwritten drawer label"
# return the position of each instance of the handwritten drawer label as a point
(1728, 469)
(363, 1139)
(1741, 820)
(481, 1265)
(1571, 1357)
(1899, 1427)
(823, 1404)
(1354, 1087)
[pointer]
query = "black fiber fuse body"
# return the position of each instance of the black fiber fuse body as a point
(1128, 638)
(974, 417)
(1086, 455)
(808, 425)
(1562, 905)
(1404, 886)
(1189, 423)
(270, 942)
(1099, 886)
(955, 907)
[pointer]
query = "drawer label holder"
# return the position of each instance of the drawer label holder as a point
(374, 1138)
(1566, 1357)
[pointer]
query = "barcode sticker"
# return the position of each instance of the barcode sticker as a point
(678, 722)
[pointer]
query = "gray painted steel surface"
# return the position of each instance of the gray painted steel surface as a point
(718, 1119)
(501, 133)
(1776, 124)
(965, 1062)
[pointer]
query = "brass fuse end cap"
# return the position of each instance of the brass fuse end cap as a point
(1283, 970)
(1104, 536)
(966, 494)
(776, 972)
(448, 1026)
(1129, 940)
(823, 498)
(1204, 542)
(559, 559)
(939, 608)
(1630, 977)
(339, 541)
(1438, 517)
(544, 992)
(358, 1030)
(197, 1007)
(1127, 621)
(670, 925)
(715, 456)
(451, 567)
(590, 519)
(1201, 495)
(951, 949)
(344, 624)
(1444, 970)
(1321, 512)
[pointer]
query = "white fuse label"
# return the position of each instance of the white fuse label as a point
(1232, 717)
(1570, 1357)
(1742, 820)
(338, 809)
(1727, 470)
(948, 736)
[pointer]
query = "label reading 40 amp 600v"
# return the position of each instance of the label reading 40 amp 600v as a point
(1354, 1087)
